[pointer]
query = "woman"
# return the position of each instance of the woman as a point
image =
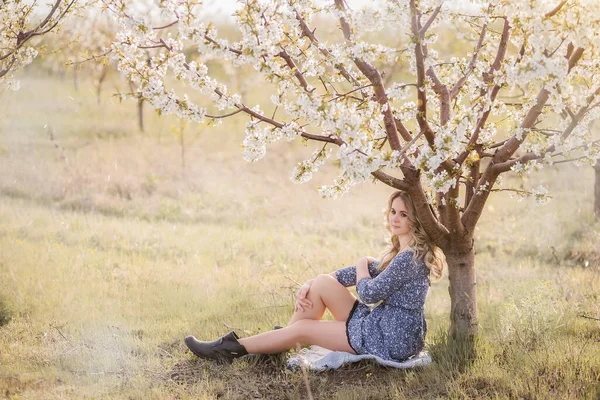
(393, 330)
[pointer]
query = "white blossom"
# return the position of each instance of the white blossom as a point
(541, 194)
(305, 169)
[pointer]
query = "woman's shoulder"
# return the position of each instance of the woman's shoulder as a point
(409, 251)
(405, 255)
(409, 255)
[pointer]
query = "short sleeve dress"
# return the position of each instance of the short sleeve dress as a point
(395, 329)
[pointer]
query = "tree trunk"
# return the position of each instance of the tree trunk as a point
(140, 107)
(597, 191)
(182, 146)
(101, 79)
(76, 79)
(463, 290)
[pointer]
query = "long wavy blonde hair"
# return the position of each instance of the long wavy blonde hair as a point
(420, 243)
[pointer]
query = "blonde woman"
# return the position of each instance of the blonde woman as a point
(393, 330)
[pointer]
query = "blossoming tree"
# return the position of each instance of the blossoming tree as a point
(81, 44)
(522, 97)
(17, 29)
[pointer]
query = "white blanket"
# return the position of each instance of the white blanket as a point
(316, 358)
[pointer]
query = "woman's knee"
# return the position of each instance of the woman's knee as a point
(325, 280)
(302, 330)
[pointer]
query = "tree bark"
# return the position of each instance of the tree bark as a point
(462, 289)
(597, 191)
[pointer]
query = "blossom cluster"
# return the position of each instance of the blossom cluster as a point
(330, 89)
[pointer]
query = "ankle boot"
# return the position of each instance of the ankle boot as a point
(224, 349)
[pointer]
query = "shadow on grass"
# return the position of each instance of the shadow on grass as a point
(453, 354)
(245, 378)
(267, 377)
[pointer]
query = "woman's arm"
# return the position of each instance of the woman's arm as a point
(399, 271)
(347, 276)
(362, 269)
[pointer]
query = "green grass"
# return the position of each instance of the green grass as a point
(110, 254)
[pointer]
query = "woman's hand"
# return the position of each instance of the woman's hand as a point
(362, 269)
(363, 263)
(302, 302)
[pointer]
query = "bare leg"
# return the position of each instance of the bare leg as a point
(328, 334)
(326, 292)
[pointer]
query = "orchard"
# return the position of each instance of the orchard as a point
(456, 103)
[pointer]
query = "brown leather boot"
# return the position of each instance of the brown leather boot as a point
(224, 349)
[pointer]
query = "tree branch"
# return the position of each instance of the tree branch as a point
(374, 77)
(474, 172)
(283, 54)
(459, 84)
(310, 34)
(475, 207)
(480, 124)
(391, 181)
(529, 156)
(239, 110)
(58, 19)
(277, 124)
(438, 233)
(427, 25)
(5, 70)
(555, 10)
(290, 63)
(500, 54)
(570, 160)
(23, 37)
(498, 144)
(166, 26)
(511, 146)
(421, 90)
(452, 209)
(575, 57)
(350, 92)
(219, 46)
(442, 91)
(501, 161)
(94, 57)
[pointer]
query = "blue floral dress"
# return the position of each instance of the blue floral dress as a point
(395, 329)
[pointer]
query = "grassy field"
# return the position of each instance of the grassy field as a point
(112, 250)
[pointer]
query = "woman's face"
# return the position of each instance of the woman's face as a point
(398, 218)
